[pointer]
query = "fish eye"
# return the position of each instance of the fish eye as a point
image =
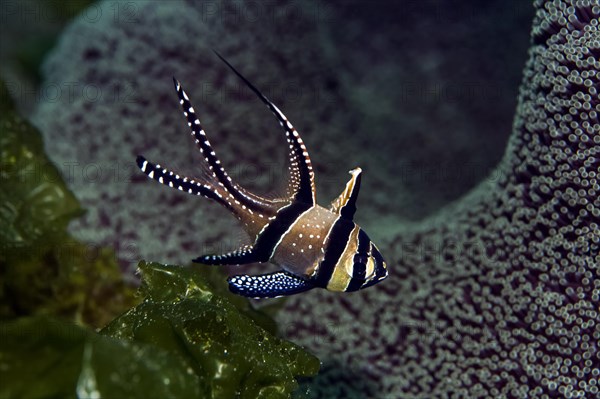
(361, 258)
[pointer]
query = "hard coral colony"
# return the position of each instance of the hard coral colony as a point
(510, 307)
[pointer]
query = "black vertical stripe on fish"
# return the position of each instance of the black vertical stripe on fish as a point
(360, 262)
(363, 243)
(265, 242)
(337, 241)
(268, 239)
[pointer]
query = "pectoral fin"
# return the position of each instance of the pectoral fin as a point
(345, 204)
(242, 256)
(269, 285)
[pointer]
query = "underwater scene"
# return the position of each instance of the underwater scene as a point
(299, 199)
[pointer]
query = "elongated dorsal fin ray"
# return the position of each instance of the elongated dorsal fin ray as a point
(271, 285)
(233, 190)
(302, 178)
(345, 204)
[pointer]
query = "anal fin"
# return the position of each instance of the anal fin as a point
(269, 285)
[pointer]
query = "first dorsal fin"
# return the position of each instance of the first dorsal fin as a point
(345, 204)
(302, 179)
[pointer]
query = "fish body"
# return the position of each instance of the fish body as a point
(314, 246)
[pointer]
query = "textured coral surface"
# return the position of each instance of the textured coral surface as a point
(497, 296)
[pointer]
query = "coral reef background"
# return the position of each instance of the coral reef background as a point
(493, 295)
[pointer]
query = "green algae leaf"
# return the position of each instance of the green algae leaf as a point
(70, 280)
(231, 354)
(263, 315)
(42, 269)
(201, 279)
(35, 204)
(6, 103)
(45, 358)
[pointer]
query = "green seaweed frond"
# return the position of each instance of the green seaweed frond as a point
(43, 270)
(230, 353)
